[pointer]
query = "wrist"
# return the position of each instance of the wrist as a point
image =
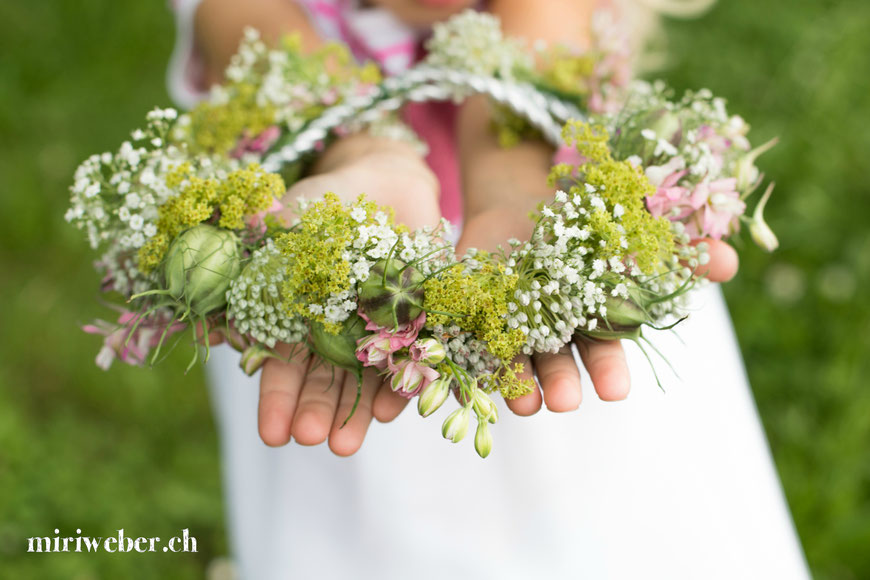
(493, 227)
(360, 148)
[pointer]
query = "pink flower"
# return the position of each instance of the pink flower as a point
(403, 336)
(412, 377)
(129, 345)
(717, 143)
(569, 155)
(670, 200)
(258, 144)
(718, 208)
(376, 350)
(257, 221)
(428, 351)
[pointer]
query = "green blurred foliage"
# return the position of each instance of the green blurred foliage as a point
(80, 448)
(799, 69)
(136, 448)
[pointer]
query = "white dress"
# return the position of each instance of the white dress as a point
(672, 485)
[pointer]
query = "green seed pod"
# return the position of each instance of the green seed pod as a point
(624, 318)
(339, 349)
(199, 267)
(393, 294)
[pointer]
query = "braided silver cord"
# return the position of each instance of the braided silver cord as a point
(544, 112)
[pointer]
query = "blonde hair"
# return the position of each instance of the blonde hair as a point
(644, 18)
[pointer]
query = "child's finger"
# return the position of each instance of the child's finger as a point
(723, 262)
(347, 440)
(527, 404)
(560, 380)
(280, 384)
(388, 404)
(318, 403)
(215, 337)
(605, 361)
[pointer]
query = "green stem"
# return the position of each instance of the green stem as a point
(139, 320)
(148, 293)
(387, 261)
(661, 356)
(195, 346)
(359, 380)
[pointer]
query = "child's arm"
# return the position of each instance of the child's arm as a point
(294, 398)
(503, 185)
(219, 25)
(299, 403)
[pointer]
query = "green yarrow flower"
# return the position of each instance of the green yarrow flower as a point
(474, 296)
(242, 193)
(623, 189)
(331, 249)
(284, 87)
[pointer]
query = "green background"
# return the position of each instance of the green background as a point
(83, 448)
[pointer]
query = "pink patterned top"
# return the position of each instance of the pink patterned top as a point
(371, 34)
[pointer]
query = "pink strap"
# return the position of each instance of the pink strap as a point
(436, 124)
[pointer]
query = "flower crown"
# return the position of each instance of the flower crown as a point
(185, 215)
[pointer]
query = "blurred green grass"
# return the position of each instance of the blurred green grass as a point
(134, 448)
(80, 448)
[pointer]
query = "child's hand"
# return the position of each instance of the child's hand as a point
(305, 398)
(558, 375)
(501, 187)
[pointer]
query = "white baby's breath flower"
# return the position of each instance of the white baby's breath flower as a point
(358, 214)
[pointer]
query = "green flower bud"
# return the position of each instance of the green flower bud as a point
(483, 439)
(433, 396)
(456, 425)
(428, 351)
(746, 172)
(339, 349)
(392, 295)
(758, 228)
(253, 358)
(484, 407)
(199, 267)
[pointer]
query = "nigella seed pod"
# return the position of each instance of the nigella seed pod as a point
(392, 295)
(339, 349)
(199, 267)
(624, 312)
(623, 320)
